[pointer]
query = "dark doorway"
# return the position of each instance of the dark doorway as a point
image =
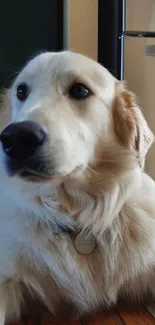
(26, 28)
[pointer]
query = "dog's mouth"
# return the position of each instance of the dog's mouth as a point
(31, 171)
(35, 177)
(37, 171)
(32, 176)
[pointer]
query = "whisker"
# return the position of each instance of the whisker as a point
(15, 73)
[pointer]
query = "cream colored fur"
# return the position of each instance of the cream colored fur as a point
(98, 146)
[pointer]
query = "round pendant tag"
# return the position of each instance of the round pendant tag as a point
(85, 243)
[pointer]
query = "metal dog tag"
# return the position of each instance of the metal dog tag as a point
(85, 243)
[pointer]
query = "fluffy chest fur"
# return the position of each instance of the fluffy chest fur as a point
(45, 261)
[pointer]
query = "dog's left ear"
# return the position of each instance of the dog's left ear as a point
(130, 125)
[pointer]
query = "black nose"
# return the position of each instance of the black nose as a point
(20, 140)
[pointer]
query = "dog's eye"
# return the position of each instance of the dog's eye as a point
(22, 92)
(79, 91)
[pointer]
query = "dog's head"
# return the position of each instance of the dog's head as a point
(66, 108)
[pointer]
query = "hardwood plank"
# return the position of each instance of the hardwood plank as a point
(23, 321)
(74, 322)
(123, 315)
(104, 319)
(31, 321)
(137, 319)
(151, 308)
(135, 315)
(49, 320)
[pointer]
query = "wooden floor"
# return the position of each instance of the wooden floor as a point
(123, 315)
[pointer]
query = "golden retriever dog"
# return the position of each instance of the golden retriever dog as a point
(77, 220)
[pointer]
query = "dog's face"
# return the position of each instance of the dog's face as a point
(63, 104)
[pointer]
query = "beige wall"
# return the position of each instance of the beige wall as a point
(140, 15)
(84, 27)
(140, 68)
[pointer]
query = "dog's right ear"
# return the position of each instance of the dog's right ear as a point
(5, 109)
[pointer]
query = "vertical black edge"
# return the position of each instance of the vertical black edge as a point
(59, 25)
(110, 22)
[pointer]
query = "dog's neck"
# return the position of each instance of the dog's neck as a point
(95, 207)
(92, 201)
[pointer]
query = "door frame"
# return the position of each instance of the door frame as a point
(110, 40)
